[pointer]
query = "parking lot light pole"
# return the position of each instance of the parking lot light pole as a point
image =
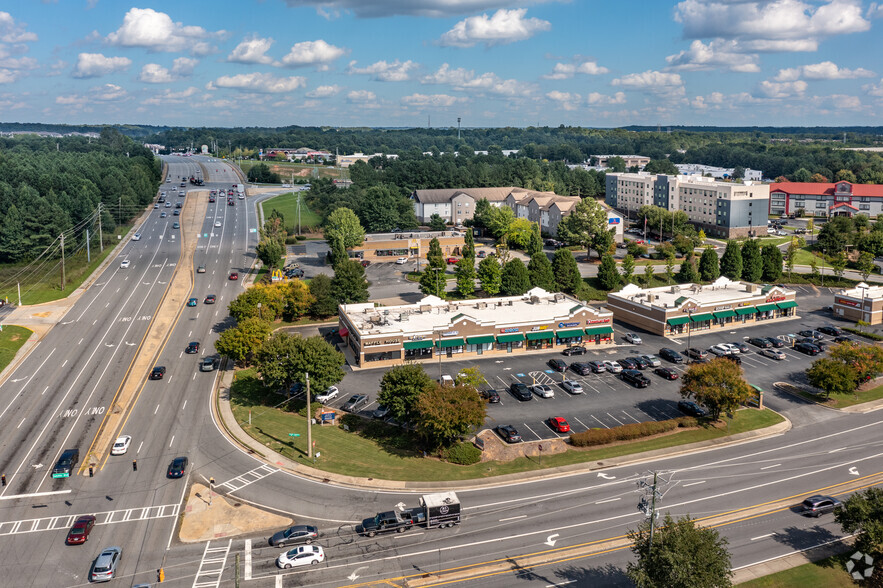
(689, 334)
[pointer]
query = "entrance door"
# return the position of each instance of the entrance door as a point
(508, 348)
(449, 352)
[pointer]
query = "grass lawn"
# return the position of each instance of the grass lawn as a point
(803, 256)
(11, 340)
(286, 204)
(385, 452)
(301, 171)
(829, 572)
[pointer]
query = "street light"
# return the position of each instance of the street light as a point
(689, 333)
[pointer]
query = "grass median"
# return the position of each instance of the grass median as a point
(11, 340)
(286, 204)
(388, 453)
(830, 572)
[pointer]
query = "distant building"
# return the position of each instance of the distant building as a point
(630, 160)
(721, 209)
(720, 173)
(348, 160)
(862, 303)
(414, 244)
(822, 199)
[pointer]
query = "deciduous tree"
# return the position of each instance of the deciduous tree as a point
(437, 223)
(343, 226)
(628, 268)
(687, 273)
(862, 515)
(349, 286)
(284, 359)
(241, 342)
(446, 413)
(832, 376)
(465, 272)
(324, 304)
(490, 275)
(717, 384)
(400, 388)
(587, 220)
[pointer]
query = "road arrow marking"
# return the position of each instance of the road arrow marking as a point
(108, 344)
(129, 344)
(37, 466)
(18, 379)
(401, 506)
(67, 322)
(550, 540)
(606, 477)
(352, 577)
(853, 471)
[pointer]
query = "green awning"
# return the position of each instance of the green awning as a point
(679, 320)
(788, 304)
(568, 334)
(425, 344)
(724, 314)
(698, 318)
(746, 310)
(445, 343)
(766, 307)
(599, 331)
(480, 340)
(511, 338)
(540, 335)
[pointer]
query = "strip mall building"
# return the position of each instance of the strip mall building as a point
(674, 311)
(862, 303)
(434, 329)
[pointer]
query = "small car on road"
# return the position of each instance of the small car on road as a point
(217, 224)
(816, 506)
(158, 372)
(105, 567)
(136, 237)
(178, 467)
(192, 302)
(79, 532)
(210, 299)
(293, 535)
(208, 364)
(301, 556)
(192, 347)
(559, 424)
(121, 445)
(125, 264)
(233, 276)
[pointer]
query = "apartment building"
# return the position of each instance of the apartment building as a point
(821, 199)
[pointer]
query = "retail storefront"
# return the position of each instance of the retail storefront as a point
(435, 329)
(674, 311)
(862, 303)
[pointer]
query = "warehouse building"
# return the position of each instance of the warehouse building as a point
(436, 329)
(674, 311)
(862, 303)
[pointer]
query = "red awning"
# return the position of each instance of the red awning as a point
(343, 332)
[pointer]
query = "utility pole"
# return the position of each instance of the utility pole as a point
(458, 128)
(309, 422)
(648, 503)
(100, 234)
(62, 261)
(88, 249)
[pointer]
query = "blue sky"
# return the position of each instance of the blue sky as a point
(416, 62)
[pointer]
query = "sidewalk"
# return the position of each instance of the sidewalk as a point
(792, 560)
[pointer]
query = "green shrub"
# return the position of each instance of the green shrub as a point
(868, 335)
(463, 454)
(623, 433)
(687, 422)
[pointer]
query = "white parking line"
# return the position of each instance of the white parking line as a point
(599, 422)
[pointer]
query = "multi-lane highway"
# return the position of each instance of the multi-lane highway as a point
(72, 388)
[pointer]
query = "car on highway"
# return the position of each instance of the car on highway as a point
(777, 343)
(652, 360)
(671, 355)
(742, 347)
(402, 261)
(200, 269)
(574, 350)
(830, 330)
(192, 347)
(301, 556)
(158, 372)
(520, 391)
(328, 395)
(121, 445)
(210, 299)
(177, 468)
(452, 260)
(807, 348)
(192, 302)
(543, 390)
(293, 535)
(125, 264)
(559, 424)
(355, 402)
(208, 364)
(217, 224)
(720, 349)
(233, 276)
(79, 531)
(773, 354)
(557, 364)
(667, 373)
(176, 213)
(816, 506)
(105, 567)
(632, 338)
(690, 408)
(162, 215)
(136, 237)
(491, 395)
(761, 342)
(635, 378)
(508, 433)
(572, 387)
(627, 363)
(611, 366)
(156, 207)
(168, 205)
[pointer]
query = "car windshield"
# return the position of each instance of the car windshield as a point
(78, 531)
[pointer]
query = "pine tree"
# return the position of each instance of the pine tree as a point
(628, 268)
(772, 263)
(752, 261)
(648, 275)
(731, 262)
(608, 275)
(540, 270)
(687, 274)
(469, 245)
(709, 265)
(515, 279)
(489, 274)
(535, 244)
(465, 272)
(433, 281)
(349, 285)
(566, 271)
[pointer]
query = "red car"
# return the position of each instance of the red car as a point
(79, 533)
(234, 275)
(559, 424)
(365, 263)
(667, 373)
(452, 260)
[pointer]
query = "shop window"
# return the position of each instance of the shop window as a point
(425, 353)
(383, 356)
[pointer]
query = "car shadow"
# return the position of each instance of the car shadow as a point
(608, 576)
(798, 538)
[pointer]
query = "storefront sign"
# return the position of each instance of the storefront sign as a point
(450, 333)
(418, 337)
(543, 328)
(598, 321)
(380, 342)
(847, 302)
(775, 298)
(720, 308)
(562, 325)
(509, 330)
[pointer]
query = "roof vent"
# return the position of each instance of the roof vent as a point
(534, 299)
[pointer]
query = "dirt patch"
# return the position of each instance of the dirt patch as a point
(14, 337)
(212, 517)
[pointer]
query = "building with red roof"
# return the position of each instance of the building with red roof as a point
(820, 199)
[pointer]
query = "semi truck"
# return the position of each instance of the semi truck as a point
(440, 510)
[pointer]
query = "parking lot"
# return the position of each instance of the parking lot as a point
(607, 401)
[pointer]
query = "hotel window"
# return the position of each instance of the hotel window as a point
(821, 204)
(864, 207)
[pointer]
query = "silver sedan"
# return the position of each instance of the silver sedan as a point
(773, 354)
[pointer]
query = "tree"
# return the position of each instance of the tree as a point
(845, 175)
(832, 376)
(681, 555)
(648, 275)
(498, 220)
(469, 245)
(583, 224)
(324, 303)
(628, 268)
(661, 166)
(465, 272)
(285, 359)
(490, 275)
(801, 175)
(790, 255)
(270, 297)
(515, 280)
(349, 285)
(865, 360)
(297, 299)
(731, 261)
(709, 265)
(379, 210)
(482, 213)
(687, 273)
(717, 384)
(446, 413)
(241, 342)
(616, 164)
(862, 515)
(520, 233)
(752, 262)
(566, 271)
(838, 263)
(433, 281)
(818, 179)
(539, 269)
(602, 242)
(343, 226)
(437, 223)
(814, 268)
(670, 267)
(535, 244)
(738, 172)
(865, 264)
(701, 237)
(470, 376)
(608, 274)
(836, 234)
(270, 252)
(400, 388)
(772, 263)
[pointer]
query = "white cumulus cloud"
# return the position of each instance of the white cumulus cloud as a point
(432, 100)
(596, 98)
(324, 92)
(654, 82)
(563, 71)
(170, 97)
(94, 65)
(155, 31)
(312, 53)
(771, 89)
(12, 32)
(153, 73)
(382, 71)
(717, 54)
(252, 50)
(505, 26)
(463, 79)
(383, 8)
(361, 96)
(566, 100)
(258, 82)
(826, 70)
(874, 89)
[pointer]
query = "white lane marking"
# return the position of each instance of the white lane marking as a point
(172, 441)
(608, 500)
(156, 409)
(763, 536)
(44, 390)
(8, 406)
(80, 341)
(65, 363)
(770, 466)
(184, 405)
(247, 560)
(21, 423)
(139, 448)
(513, 518)
(693, 484)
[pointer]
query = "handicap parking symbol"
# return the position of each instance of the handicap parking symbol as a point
(520, 375)
(548, 371)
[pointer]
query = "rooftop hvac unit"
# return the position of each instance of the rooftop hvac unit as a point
(534, 299)
(425, 308)
(481, 305)
(404, 317)
(386, 312)
(509, 303)
(675, 289)
(559, 297)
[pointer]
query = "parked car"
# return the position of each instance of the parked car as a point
(574, 350)
(557, 364)
(452, 260)
(635, 378)
(734, 349)
(760, 342)
(481, 255)
(402, 261)
(742, 347)
(559, 424)
(772, 353)
(816, 506)
(843, 339)
(328, 395)
(731, 357)
(293, 535)
(508, 433)
(491, 395)
(632, 338)
(294, 273)
(652, 360)
(830, 330)
(105, 567)
(572, 387)
(817, 342)
(365, 263)
(301, 556)
(543, 390)
(520, 391)
(777, 343)
(381, 412)
(627, 363)
(812, 334)
(355, 402)
(611, 366)
(667, 373)
(690, 408)
(807, 348)
(696, 353)
(596, 366)
(79, 532)
(671, 355)
(720, 349)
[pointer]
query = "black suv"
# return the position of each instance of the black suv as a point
(777, 343)
(627, 363)
(65, 464)
(635, 378)
(760, 342)
(520, 391)
(508, 433)
(734, 358)
(810, 333)
(491, 395)
(830, 330)
(575, 350)
(581, 368)
(557, 364)
(691, 408)
(671, 355)
(807, 348)
(816, 506)
(158, 372)
(642, 363)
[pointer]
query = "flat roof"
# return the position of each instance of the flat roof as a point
(863, 291)
(434, 314)
(369, 237)
(722, 290)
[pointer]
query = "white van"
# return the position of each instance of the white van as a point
(447, 380)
